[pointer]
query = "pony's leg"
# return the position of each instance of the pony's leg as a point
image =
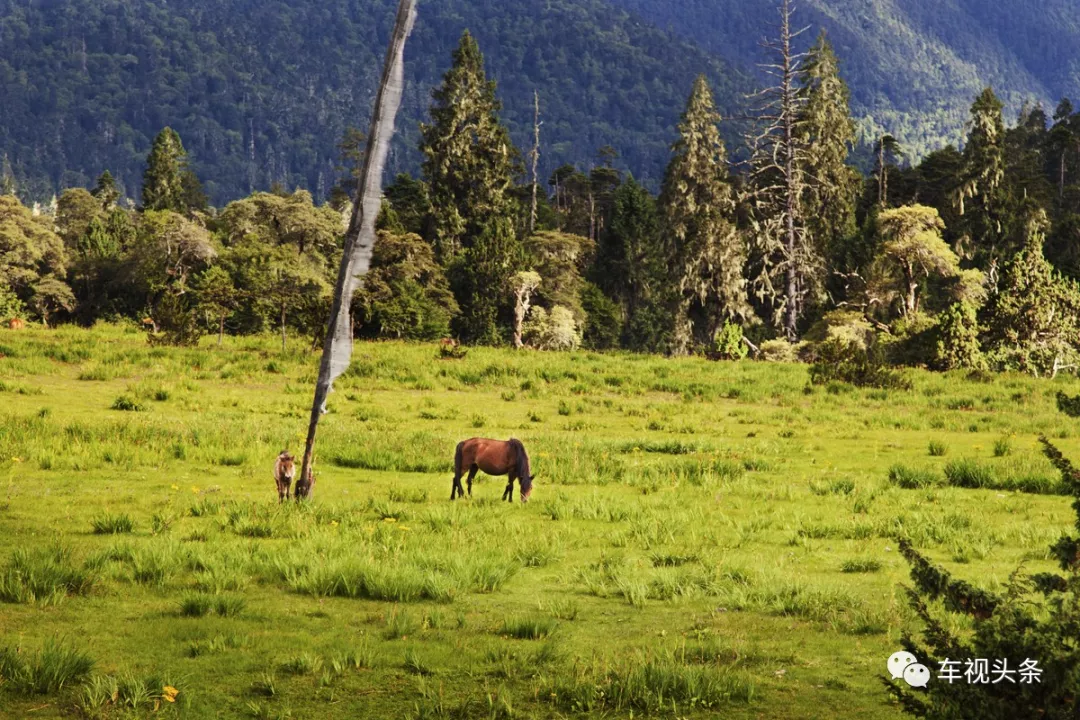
(472, 473)
(455, 485)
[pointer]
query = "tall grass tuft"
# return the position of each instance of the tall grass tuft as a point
(49, 671)
(109, 524)
(528, 628)
(44, 576)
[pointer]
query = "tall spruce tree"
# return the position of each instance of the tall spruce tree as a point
(828, 134)
(469, 165)
(166, 182)
(707, 253)
(980, 197)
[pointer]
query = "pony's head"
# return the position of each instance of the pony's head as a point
(287, 464)
(524, 471)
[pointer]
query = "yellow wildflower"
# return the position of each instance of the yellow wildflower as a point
(404, 527)
(14, 459)
(175, 487)
(169, 693)
(390, 520)
(194, 489)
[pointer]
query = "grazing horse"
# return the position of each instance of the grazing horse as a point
(494, 457)
(284, 472)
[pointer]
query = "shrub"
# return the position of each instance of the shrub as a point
(1035, 618)
(958, 340)
(937, 448)
(556, 330)
(49, 671)
(728, 343)
(777, 351)
(127, 404)
(912, 478)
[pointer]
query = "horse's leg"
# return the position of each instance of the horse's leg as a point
(508, 493)
(472, 473)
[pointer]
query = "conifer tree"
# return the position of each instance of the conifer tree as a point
(708, 255)
(468, 157)
(980, 197)
(106, 191)
(828, 133)
(469, 165)
(164, 184)
(1032, 323)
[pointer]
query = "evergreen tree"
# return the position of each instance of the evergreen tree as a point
(828, 133)
(631, 267)
(468, 157)
(980, 197)
(708, 255)
(958, 339)
(106, 191)
(166, 167)
(1032, 323)
(469, 163)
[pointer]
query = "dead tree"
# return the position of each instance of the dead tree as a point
(360, 238)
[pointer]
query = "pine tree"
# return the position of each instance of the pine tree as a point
(106, 191)
(469, 159)
(708, 255)
(828, 133)
(469, 165)
(980, 197)
(631, 267)
(163, 181)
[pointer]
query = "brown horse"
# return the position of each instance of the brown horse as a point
(494, 457)
(284, 472)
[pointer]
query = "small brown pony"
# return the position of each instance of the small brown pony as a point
(285, 471)
(494, 457)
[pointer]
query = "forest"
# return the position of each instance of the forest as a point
(966, 259)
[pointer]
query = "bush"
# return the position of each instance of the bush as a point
(1034, 618)
(846, 350)
(728, 343)
(778, 351)
(958, 340)
(556, 330)
(913, 340)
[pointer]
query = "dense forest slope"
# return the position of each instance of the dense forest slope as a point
(914, 65)
(262, 91)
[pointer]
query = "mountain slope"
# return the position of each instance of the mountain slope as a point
(261, 91)
(914, 65)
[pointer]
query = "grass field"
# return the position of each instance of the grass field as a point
(703, 538)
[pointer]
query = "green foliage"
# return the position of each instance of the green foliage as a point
(33, 262)
(1032, 320)
(728, 343)
(603, 324)
(1033, 618)
(405, 294)
(958, 339)
(697, 206)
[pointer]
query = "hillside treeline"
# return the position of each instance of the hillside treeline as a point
(967, 259)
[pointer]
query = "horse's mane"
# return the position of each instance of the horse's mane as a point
(523, 469)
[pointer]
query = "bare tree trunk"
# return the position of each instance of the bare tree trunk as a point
(535, 162)
(360, 237)
(791, 183)
(221, 330)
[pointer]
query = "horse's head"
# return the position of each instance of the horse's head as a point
(526, 487)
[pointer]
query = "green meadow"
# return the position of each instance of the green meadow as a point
(704, 539)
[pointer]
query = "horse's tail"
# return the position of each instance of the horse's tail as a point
(458, 455)
(523, 469)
